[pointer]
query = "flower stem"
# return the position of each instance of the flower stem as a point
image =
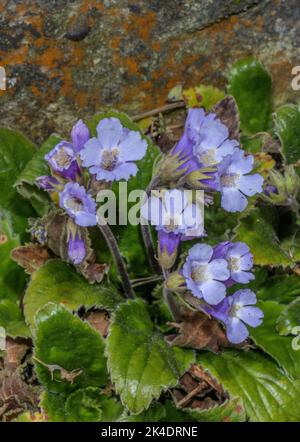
(114, 249)
(159, 110)
(172, 304)
(147, 236)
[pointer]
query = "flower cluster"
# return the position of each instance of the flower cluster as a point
(209, 271)
(111, 156)
(205, 158)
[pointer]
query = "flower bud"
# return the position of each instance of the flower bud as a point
(175, 281)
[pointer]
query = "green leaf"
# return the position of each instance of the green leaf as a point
(12, 320)
(282, 288)
(65, 342)
(37, 166)
(141, 363)
(84, 405)
(259, 234)
(231, 411)
(289, 318)
(279, 347)
(12, 277)
(287, 128)
(268, 395)
(155, 413)
(58, 282)
(15, 152)
(251, 85)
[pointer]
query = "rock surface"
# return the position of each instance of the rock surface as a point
(68, 59)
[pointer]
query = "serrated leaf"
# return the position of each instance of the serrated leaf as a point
(155, 413)
(15, 152)
(141, 363)
(37, 166)
(268, 394)
(289, 318)
(11, 319)
(279, 347)
(84, 405)
(259, 234)
(231, 411)
(67, 345)
(282, 288)
(12, 277)
(287, 128)
(251, 85)
(58, 282)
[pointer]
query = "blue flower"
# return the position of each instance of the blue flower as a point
(76, 248)
(176, 218)
(235, 181)
(78, 204)
(239, 260)
(210, 137)
(235, 311)
(62, 160)
(204, 275)
(80, 134)
(112, 155)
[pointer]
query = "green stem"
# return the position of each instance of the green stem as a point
(114, 249)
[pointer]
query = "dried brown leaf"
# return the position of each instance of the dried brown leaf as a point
(99, 320)
(31, 257)
(227, 111)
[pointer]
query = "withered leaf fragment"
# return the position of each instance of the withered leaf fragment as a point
(31, 257)
(227, 111)
(198, 331)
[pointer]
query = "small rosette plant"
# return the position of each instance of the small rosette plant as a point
(150, 271)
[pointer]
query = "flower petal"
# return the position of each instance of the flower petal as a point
(132, 147)
(213, 291)
(251, 184)
(109, 132)
(201, 253)
(236, 331)
(218, 268)
(252, 316)
(233, 200)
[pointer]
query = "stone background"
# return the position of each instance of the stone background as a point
(70, 59)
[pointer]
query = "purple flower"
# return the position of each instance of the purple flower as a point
(62, 160)
(48, 182)
(235, 311)
(80, 134)
(76, 248)
(235, 182)
(210, 137)
(204, 275)
(239, 260)
(176, 218)
(112, 155)
(78, 204)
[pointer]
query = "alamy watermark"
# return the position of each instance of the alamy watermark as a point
(2, 79)
(2, 339)
(296, 79)
(162, 207)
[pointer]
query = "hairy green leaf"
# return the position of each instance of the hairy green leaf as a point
(231, 411)
(141, 363)
(287, 128)
(251, 85)
(268, 395)
(289, 318)
(11, 319)
(15, 152)
(58, 282)
(37, 166)
(69, 353)
(283, 288)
